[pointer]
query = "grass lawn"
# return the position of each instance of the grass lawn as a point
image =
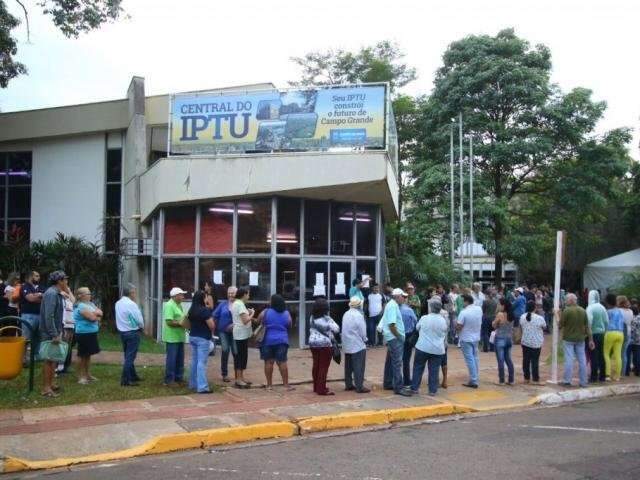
(13, 393)
(110, 342)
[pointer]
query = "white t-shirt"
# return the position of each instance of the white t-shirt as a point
(471, 320)
(8, 292)
(240, 330)
(532, 334)
(375, 304)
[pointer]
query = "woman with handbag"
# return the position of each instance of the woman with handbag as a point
(322, 330)
(242, 332)
(503, 341)
(86, 318)
(274, 345)
(200, 334)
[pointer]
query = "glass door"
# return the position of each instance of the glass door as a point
(328, 278)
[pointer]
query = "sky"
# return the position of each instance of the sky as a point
(196, 45)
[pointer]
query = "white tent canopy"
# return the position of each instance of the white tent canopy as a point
(605, 274)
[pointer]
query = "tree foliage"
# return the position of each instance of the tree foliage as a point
(382, 62)
(539, 166)
(71, 17)
(84, 262)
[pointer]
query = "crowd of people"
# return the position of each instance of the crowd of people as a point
(416, 331)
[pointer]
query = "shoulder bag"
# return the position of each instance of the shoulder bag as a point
(336, 353)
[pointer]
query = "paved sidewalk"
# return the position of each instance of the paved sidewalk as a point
(86, 429)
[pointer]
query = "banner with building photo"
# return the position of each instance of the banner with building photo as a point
(317, 119)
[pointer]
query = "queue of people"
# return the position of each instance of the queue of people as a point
(416, 333)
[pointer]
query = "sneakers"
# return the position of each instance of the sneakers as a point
(363, 390)
(404, 392)
(470, 385)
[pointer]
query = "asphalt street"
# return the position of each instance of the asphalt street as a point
(596, 440)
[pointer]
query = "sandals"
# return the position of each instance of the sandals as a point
(50, 394)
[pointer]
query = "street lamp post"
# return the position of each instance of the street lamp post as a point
(461, 155)
(453, 205)
(471, 239)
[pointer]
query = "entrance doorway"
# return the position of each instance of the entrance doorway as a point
(329, 278)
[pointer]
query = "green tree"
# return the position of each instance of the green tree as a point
(538, 164)
(382, 62)
(72, 17)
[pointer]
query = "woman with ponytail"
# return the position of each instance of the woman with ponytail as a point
(532, 326)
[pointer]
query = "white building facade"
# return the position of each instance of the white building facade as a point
(103, 172)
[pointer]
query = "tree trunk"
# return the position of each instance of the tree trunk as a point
(498, 231)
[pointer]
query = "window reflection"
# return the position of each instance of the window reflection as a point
(180, 230)
(288, 236)
(216, 271)
(216, 228)
(341, 229)
(256, 275)
(254, 226)
(316, 227)
(177, 272)
(288, 278)
(366, 230)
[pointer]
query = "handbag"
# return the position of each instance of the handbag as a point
(492, 337)
(336, 352)
(258, 333)
(54, 352)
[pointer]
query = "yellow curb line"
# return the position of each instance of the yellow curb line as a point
(245, 433)
(166, 443)
(377, 417)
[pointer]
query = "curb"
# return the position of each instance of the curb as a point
(558, 398)
(165, 444)
(246, 433)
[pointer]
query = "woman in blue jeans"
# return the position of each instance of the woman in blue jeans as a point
(503, 341)
(202, 328)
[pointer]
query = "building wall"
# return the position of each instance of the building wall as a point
(68, 189)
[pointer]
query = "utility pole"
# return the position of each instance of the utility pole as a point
(471, 239)
(453, 186)
(461, 154)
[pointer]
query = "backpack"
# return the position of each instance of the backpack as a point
(15, 296)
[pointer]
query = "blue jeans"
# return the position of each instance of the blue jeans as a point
(130, 343)
(626, 355)
(573, 351)
(419, 361)
(406, 361)
(372, 334)
(199, 358)
(470, 354)
(503, 354)
(393, 365)
(174, 365)
(227, 345)
(32, 319)
(485, 335)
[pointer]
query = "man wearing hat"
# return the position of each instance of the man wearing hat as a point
(354, 338)
(393, 334)
(51, 312)
(173, 335)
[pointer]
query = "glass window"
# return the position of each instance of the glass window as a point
(113, 200)
(366, 267)
(177, 272)
(316, 227)
(337, 310)
(19, 202)
(180, 230)
(218, 272)
(19, 168)
(288, 236)
(112, 234)
(254, 226)
(341, 229)
(288, 278)
(216, 228)
(294, 311)
(366, 230)
(316, 272)
(18, 230)
(247, 269)
(114, 165)
(343, 268)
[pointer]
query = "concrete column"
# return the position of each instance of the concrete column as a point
(136, 269)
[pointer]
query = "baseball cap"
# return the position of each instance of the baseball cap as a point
(176, 291)
(399, 291)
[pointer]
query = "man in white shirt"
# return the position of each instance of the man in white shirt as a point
(130, 324)
(476, 293)
(354, 337)
(375, 301)
(469, 324)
